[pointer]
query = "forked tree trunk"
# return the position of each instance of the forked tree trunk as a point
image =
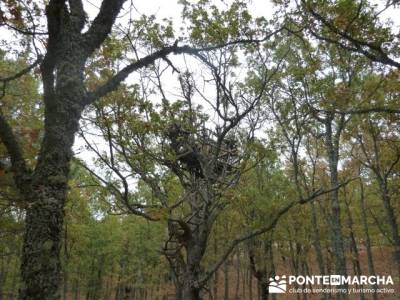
(46, 194)
(41, 265)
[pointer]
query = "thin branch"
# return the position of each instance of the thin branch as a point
(23, 71)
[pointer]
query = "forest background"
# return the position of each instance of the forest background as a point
(193, 150)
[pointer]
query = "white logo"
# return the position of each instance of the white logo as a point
(277, 285)
(335, 280)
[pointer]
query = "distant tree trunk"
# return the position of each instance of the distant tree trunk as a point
(317, 239)
(91, 281)
(264, 270)
(304, 270)
(294, 258)
(66, 255)
(226, 280)
(109, 284)
(5, 270)
(317, 244)
(272, 266)
(329, 260)
(264, 289)
(76, 289)
(15, 276)
(250, 286)
(353, 243)
(245, 280)
(237, 275)
(97, 289)
(332, 141)
(117, 289)
(364, 221)
(391, 218)
(216, 275)
(65, 288)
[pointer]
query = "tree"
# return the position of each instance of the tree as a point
(178, 148)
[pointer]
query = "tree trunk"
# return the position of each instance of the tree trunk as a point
(46, 193)
(226, 280)
(76, 289)
(14, 288)
(244, 281)
(237, 276)
(263, 288)
(41, 266)
(364, 221)
(191, 293)
(353, 243)
(391, 218)
(66, 255)
(216, 275)
(316, 241)
(250, 285)
(332, 148)
(4, 271)
(294, 258)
